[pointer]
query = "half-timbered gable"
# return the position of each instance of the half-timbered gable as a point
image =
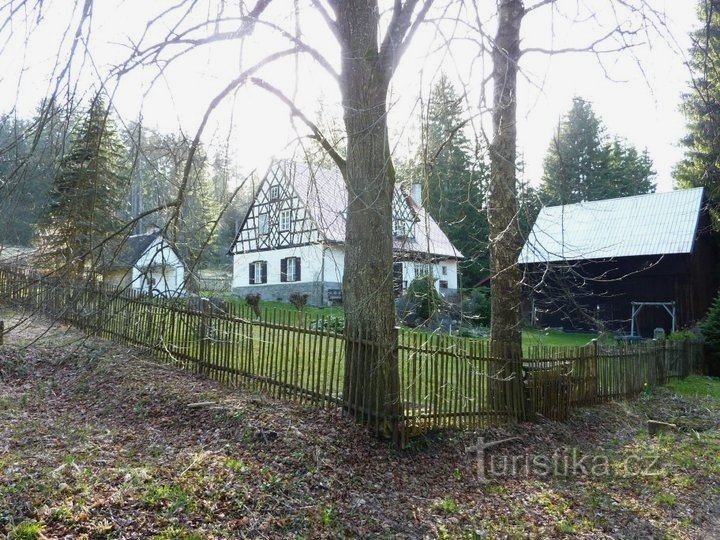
(293, 235)
(278, 218)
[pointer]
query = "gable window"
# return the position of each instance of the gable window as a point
(263, 224)
(258, 272)
(290, 269)
(403, 228)
(284, 222)
(444, 270)
(274, 193)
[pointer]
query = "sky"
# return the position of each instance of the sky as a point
(640, 105)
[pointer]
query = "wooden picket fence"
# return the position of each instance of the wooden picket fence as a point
(445, 382)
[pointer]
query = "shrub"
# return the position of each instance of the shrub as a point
(710, 328)
(476, 306)
(330, 324)
(427, 300)
(682, 335)
(298, 300)
(253, 300)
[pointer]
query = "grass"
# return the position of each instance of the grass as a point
(555, 338)
(697, 386)
(531, 337)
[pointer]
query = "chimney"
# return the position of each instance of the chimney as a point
(416, 193)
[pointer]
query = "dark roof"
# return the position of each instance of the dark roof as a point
(129, 251)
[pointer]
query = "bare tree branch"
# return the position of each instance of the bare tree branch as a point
(317, 133)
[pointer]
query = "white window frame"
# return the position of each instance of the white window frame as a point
(274, 193)
(290, 268)
(403, 228)
(257, 279)
(284, 220)
(422, 269)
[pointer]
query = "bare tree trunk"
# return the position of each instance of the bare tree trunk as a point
(371, 376)
(505, 242)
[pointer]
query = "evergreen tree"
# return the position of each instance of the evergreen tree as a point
(701, 164)
(455, 181)
(710, 328)
(30, 151)
(582, 164)
(157, 180)
(88, 191)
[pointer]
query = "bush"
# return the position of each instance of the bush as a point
(298, 300)
(253, 300)
(682, 335)
(422, 293)
(330, 324)
(476, 307)
(710, 329)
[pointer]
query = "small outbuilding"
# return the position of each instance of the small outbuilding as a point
(147, 263)
(628, 265)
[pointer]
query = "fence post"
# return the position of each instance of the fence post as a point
(596, 361)
(397, 424)
(203, 336)
(685, 369)
(662, 364)
(2, 331)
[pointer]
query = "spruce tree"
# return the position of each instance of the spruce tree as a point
(87, 196)
(584, 164)
(701, 164)
(454, 180)
(710, 328)
(158, 180)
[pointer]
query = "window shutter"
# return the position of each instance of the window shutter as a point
(264, 272)
(283, 270)
(297, 268)
(252, 273)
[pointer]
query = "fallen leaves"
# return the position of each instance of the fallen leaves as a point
(102, 441)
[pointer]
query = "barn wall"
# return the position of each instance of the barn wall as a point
(573, 295)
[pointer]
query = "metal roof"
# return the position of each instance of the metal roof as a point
(652, 224)
(325, 196)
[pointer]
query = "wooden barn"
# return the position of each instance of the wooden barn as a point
(627, 265)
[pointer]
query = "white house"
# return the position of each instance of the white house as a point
(147, 263)
(292, 238)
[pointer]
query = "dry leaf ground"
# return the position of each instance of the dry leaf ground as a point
(100, 441)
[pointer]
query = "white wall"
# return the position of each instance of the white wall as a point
(451, 275)
(327, 264)
(311, 263)
(159, 262)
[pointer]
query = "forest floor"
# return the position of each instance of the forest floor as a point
(101, 441)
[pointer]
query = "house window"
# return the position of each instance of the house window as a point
(422, 269)
(274, 193)
(263, 224)
(402, 228)
(444, 270)
(443, 284)
(290, 269)
(284, 223)
(258, 272)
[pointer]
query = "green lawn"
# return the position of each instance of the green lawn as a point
(697, 386)
(555, 338)
(531, 337)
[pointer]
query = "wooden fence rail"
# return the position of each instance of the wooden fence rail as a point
(445, 381)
